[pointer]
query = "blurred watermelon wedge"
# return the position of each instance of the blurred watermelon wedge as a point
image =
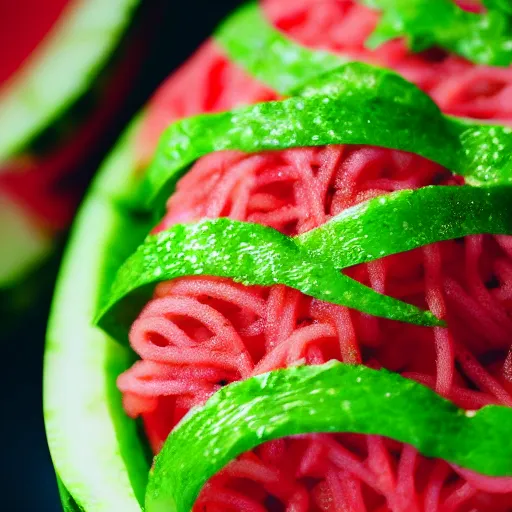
(69, 72)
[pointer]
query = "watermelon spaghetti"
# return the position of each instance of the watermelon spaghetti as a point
(190, 334)
(200, 337)
(294, 191)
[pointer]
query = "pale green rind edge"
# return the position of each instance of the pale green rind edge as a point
(61, 68)
(94, 446)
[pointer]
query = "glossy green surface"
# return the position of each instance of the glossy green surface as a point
(257, 255)
(95, 447)
(268, 55)
(330, 398)
(355, 104)
(248, 253)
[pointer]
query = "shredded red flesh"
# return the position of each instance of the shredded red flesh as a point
(191, 334)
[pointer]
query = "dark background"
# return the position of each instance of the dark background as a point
(27, 481)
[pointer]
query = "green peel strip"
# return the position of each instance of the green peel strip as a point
(408, 219)
(264, 52)
(330, 398)
(258, 255)
(356, 104)
(267, 54)
(250, 254)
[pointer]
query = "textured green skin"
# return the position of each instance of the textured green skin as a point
(248, 253)
(330, 398)
(61, 69)
(104, 435)
(264, 52)
(355, 104)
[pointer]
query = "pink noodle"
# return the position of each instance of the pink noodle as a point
(200, 333)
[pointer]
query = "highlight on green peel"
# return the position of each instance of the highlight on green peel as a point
(329, 398)
(354, 104)
(486, 151)
(248, 253)
(407, 219)
(267, 54)
(61, 69)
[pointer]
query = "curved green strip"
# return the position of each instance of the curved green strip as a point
(61, 69)
(267, 54)
(408, 219)
(355, 104)
(94, 445)
(253, 254)
(264, 52)
(481, 38)
(248, 253)
(330, 398)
